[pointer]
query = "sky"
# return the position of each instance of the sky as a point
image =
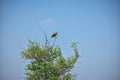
(95, 24)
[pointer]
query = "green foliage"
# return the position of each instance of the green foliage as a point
(47, 63)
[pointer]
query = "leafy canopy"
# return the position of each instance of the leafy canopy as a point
(47, 63)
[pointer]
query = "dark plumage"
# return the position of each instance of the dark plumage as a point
(54, 35)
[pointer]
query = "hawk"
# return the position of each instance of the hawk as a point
(54, 35)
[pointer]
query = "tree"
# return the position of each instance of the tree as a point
(47, 63)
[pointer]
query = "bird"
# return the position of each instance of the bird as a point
(54, 35)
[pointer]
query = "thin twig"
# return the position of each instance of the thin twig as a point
(46, 40)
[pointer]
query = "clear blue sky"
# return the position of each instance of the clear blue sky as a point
(93, 23)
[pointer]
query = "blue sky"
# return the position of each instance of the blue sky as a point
(93, 23)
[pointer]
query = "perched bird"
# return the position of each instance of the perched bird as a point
(54, 34)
